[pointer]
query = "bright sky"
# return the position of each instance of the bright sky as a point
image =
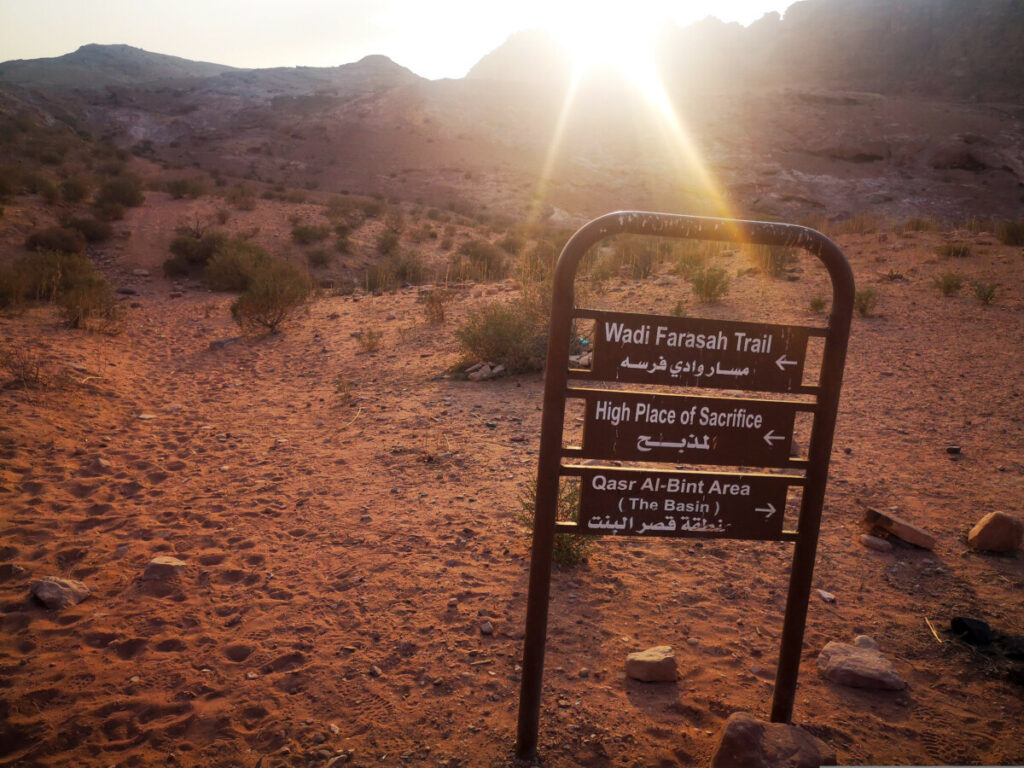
(434, 38)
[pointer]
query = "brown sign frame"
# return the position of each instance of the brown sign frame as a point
(556, 390)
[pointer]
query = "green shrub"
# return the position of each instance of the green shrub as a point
(241, 197)
(817, 305)
(387, 241)
(198, 251)
(773, 260)
(13, 289)
(87, 298)
(304, 234)
(478, 260)
(124, 190)
(505, 334)
(234, 265)
(177, 266)
(569, 549)
(985, 292)
(949, 283)
(109, 211)
(709, 284)
(319, 257)
(1011, 232)
(74, 190)
(44, 275)
(390, 273)
(276, 292)
(865, 302)
(954, 250)
(60, 239)
(180, 188)
(93, 230)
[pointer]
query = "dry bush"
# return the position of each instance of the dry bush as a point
(123, 190)
(773, 260)
(955, 250)
(90, 298)
(569, 549)
(949, 283)
(478, 260)
(93, 230)
(391, 273)
(275, 294)
(510, 334)
(27, 370)
(61, 239)
(985, 292)
(434, 303)
(234, 265)
(305, 234)
(1011, 232)
(865, 302)
(709, 284)
(369, 340)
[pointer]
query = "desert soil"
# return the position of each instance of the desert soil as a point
(349, 520)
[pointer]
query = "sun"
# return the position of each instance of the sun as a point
(612, 41)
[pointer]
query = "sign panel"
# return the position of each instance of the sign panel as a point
(640, 502)
(642, 426)
(689, 352)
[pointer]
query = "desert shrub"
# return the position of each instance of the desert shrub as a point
(124, 190)
(954, 250)
(44, 275)
(513, 242)
(568, 549)
(709, 284)
(108, 211)
(319, 257)
(506, 334)
(276, 292)
(921, 224)
(13, 289)
(390, 273)
(241, 197)
(222, 215)
(369, 340)
(387, 241)
(773, 260)
(372, 208)
(342, 244)
(536, 264)
(304, 234)
(1011, 232)
(434, 303)
(478, 260)
(690, 259)
(93, 230)
(949, 283)
(177, 266)
(233, 265)
(865, 302)
(74, 190)
(61, 239)
(985, 292)
(858, 224)
(88, 298)
(180, 188)
(817, 305)
(28, 370)
(197, 251)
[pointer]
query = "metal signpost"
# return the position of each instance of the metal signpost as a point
(643, 426)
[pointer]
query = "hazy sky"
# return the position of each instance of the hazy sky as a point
(434, 38)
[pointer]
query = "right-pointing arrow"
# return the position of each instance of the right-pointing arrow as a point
(771, 436)
(769, 510)
(782, 362)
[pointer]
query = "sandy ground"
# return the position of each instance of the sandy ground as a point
(350, 520)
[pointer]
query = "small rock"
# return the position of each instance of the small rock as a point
(953, 450)
(162, 568)
(124, 290)
(997, 532)
(147, 416)
(251, 675)
(453, 602)
(828, 597)
(486, 628)
(376, 671)
(875, 543)
(656, 664)
(55, 592)
(140, 272)
(750, 743)
(339, 760)
(859, 666)
(584, 673)
(389, 317)
(221, 343)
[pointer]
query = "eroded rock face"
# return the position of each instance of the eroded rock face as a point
(56, 593)
(654, 665)
(751, 743)
(860, 665)
(997, 532)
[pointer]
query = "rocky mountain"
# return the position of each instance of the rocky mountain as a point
(904, 107)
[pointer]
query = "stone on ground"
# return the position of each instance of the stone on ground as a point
(163, 567)
(997, 532)
(875, 543)
(860, 665)
(751, 743)
(55, 592)
(654, 665)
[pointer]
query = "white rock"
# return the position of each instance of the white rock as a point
(55, 592)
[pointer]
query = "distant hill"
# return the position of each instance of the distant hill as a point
(99, 66)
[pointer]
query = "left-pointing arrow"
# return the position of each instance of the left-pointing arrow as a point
(771, 436)
(782, 362)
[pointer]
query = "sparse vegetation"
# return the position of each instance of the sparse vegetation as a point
(180, 188)
(319, 257)
(61, 239)
(955, 250)
(478, 260)
(369, 340)
(505, 333)
(817, 305)
(125, 190)
(709, 284)
(865, 302)
(276, 292)
(387, 242)
(569, 549)
(390, 273)
(1011, 232)
(773, 260)
(949, 283)
(306, 234)
(27, 369)
(234, 265)
(66, 279)
(88, 298)
(434, 303)
(985, 292)
(93, 230)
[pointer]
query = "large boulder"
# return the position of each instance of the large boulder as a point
(55, 592)
(163, 568)
(654, 665)
(997, 532)
(751, 743)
